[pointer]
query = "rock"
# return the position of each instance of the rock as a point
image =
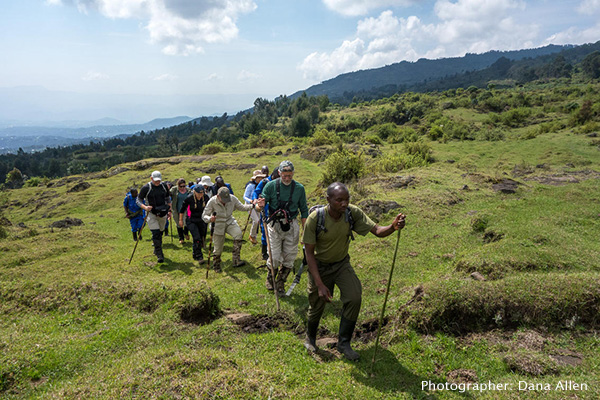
(507, 186)
(80, 187)
(378, 207)
(239, 318)
(477, 276)
(66, 223)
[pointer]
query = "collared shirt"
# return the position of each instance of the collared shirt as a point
(224, 212)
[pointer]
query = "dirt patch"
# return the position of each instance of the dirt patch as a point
(507, 186)
(492, 236)
(262, 323)
(316, 154)
(367, 331)
(564, 178)
(196, 315)
(399, 182)
(462, 376)
(218, 168)
(66, 223)
(64, 181)
(531, 363)
(80, 187)
(377, 208)
(567, 357)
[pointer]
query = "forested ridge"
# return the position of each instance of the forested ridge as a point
(305, 117)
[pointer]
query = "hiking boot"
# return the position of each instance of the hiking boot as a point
(311, 336)
(281, 278)
(253, 240)
(166, 233)
(187, 237)
(265, 252)
(201, 261)
(139, 235)
(135, 236)
(345, 335)
(217, 264)
(235, 254)
(269, 281)
(157, 243)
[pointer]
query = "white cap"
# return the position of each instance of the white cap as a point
(156, 176)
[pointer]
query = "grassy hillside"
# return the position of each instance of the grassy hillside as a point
(517, 201)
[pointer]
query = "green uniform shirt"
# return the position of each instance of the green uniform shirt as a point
(298, 198)
(333, 242)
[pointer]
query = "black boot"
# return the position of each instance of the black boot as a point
(135, 237)
(345, 335)
(311, 336)
(265, 252)
(157, 242)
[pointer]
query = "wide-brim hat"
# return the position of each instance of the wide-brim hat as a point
(258, 174)
(205, 181)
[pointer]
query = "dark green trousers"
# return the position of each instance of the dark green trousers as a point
(342, 275)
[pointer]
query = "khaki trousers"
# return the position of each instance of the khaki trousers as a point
(218, 240)
(284, 245)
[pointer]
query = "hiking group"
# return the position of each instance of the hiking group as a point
(274, 203)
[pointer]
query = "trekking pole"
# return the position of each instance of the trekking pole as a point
(248, 220)
(212, 229)
(171, 226)
(387, 292)
(137, 240)
(266, 225)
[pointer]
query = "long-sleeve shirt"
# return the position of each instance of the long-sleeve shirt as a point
(195, 206)
(297, 203)
(224, 212)
(248, 193)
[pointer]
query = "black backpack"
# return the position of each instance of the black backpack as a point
(321, 219)
(162, 210)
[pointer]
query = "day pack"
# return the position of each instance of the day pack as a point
(321, 219)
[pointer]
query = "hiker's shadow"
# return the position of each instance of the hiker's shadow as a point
(389, 377)
(170, 266)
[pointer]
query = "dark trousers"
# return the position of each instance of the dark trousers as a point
(342, 275)
(182, 232)
(198, 230)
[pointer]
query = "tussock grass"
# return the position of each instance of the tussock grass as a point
(551, 300)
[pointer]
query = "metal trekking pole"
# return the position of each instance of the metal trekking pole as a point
(210, 243)
(266, 225)
(137, 240)
(387, 292)
(299, 274)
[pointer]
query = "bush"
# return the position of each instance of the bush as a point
(420, 149)
(343, 166)
(400, 161)
(33, 182)
(264, 139)
(405, 134)
(323, 137)
(213, 148)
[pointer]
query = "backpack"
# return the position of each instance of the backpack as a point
(282, 213)
(321, 219)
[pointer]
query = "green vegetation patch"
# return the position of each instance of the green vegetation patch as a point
(550, 300)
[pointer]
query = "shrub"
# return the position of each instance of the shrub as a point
(491, 135)
(213, 148)
(343, 166)
(264, 139)
(400, 161)
(420, 149)
(323, 137)
(33, 182)
(373, 139)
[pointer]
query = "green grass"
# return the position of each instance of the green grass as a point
(78, 321)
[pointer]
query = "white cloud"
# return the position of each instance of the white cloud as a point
(94, 76)
(247, 75)
(462, 26)
(362, 7)
(575, 35)
(54, 2)
(165, 77)
(214, 77)
(181, 27)
(590, 7)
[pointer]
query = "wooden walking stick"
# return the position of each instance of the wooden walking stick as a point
(266, 225)
(248, 220)
(137, 240)
(212, 229)
(387, 292)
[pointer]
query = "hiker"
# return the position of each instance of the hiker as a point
(135, 214)
(327, 236)
(156, 195)
(257, 176)
(286, 198)
(223, 205)
(195, 204)
(259, 188)
(219, 183)
(207, 184)
(178, 194)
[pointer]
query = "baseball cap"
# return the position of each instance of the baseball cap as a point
(156, 176)
(224, 194)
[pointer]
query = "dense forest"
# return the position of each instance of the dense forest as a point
(404, 115)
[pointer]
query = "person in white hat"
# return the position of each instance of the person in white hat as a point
(222, 206)
(158, 209)
(257, 175)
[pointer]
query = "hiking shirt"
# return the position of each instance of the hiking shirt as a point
(298, 202)
(249, 190)
(224, 212)
(131, 204)
(156, 195)
(196, 207)
(177, 198)
(333, 242)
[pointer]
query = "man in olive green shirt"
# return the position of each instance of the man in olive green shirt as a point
(286, 199)
(329, 263)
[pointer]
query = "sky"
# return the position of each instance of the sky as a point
(136, 59)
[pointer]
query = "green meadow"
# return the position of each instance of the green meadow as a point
(495, 292)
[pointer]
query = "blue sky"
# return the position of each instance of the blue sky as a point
(228, 52)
